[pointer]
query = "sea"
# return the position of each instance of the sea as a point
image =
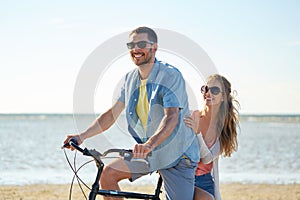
(31, 153)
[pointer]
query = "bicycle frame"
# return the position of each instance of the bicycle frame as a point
(95, 190)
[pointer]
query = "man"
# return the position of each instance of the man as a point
(155, 99)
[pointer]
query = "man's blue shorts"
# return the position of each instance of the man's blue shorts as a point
(179, 180)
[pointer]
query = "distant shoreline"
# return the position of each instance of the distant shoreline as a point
(241, 114)
(279, 118)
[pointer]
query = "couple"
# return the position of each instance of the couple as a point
(156, 105)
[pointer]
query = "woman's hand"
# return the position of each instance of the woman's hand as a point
(191, 122)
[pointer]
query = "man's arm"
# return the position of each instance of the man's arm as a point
(164, 130)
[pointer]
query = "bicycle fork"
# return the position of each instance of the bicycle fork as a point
(95, 186)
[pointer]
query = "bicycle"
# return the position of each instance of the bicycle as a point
(96, 190)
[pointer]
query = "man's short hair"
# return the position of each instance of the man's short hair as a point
(143, 29)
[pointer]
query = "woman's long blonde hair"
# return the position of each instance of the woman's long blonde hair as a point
(228, 121)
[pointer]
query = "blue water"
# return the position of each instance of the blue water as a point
(30, 149)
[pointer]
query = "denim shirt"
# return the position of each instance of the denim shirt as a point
(165, 89)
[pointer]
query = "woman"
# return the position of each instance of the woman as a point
(215, 127)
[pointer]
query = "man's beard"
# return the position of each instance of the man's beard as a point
(146, 61)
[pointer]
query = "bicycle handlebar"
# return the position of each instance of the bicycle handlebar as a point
(125, 153)
(74, 144)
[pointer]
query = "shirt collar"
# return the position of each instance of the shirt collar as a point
(154, 71)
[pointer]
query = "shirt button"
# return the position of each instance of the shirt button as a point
(134, 99)
(130, 113)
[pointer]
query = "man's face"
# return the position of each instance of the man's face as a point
(142, 56)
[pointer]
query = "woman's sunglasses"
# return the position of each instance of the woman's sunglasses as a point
(140, 44)
(214, 90)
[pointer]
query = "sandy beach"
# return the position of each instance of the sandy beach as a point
(228, 191)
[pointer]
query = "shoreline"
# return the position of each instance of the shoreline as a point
(230, 191)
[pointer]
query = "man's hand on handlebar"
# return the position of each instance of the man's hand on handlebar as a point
(141, 150)
(69, 137)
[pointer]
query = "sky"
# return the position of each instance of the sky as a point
(44, 44)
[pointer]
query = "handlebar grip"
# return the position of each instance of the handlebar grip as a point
(72, 141)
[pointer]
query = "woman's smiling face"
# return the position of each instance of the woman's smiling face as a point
(211, 95)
